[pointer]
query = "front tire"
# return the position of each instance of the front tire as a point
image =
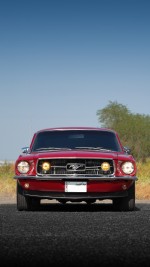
(22, 201)
(126, 203)
(26, 203)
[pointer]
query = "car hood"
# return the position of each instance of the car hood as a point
(76, 154)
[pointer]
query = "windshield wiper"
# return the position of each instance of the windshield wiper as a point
(92, 148)
(52, 148)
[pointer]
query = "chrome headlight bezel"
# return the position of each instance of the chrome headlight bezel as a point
(127, 167)
(23, 167)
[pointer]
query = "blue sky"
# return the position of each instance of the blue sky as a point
(62, 60)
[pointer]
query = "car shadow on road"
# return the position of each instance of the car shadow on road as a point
(76, 207)
(79, 207)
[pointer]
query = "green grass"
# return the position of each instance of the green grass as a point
(8, 184)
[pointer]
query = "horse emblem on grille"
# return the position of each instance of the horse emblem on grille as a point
(75, 167)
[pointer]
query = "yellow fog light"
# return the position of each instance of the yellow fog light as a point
(105, 166)
(46, 166)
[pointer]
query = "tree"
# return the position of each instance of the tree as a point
(133, 129)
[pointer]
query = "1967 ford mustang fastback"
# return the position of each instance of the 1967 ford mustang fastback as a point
(76, 164)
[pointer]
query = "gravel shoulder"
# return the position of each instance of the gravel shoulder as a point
(7, 200)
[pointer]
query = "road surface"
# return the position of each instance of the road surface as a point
(74, 235)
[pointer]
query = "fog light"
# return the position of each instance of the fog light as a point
(105, 166)
(46, 166)
(26, 185)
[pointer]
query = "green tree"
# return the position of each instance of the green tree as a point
(133, 129)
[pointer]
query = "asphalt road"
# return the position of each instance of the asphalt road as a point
(75, 235)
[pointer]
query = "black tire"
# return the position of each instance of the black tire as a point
(22, 201)
(126, 203)
(26, 203)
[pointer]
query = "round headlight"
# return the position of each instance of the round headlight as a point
(127, 167)
(23, 167)
(46, 166)
(105, 166)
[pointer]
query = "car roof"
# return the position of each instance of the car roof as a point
(76, 128)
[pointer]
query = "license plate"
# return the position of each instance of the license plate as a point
(75, 186)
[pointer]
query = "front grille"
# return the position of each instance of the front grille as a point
(82, 167)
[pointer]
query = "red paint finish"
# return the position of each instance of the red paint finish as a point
(84, 158)
(101, 186)
(59, 186)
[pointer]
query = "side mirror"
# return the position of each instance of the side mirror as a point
(25, 150)
(127, 150)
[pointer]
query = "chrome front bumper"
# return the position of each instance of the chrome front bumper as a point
(75, 177)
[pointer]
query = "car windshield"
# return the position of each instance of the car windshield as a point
(76, 139)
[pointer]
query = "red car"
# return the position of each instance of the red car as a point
(76, 164)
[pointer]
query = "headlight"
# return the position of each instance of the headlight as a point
(127, 167)
(23, 166)
(46, 166)
(105, 166)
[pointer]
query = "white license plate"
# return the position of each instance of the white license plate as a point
(75, 186)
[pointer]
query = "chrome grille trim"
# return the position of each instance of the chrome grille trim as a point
(59, 167)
